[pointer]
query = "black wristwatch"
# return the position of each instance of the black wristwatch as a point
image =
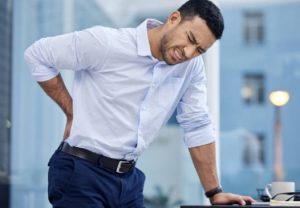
(213, 192)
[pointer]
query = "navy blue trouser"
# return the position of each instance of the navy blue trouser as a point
(77, 183)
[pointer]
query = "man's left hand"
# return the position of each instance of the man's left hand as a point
(229, 198)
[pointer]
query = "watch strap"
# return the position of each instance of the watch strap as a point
(213, 192)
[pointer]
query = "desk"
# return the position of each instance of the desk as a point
(223, 206)
(232, 206)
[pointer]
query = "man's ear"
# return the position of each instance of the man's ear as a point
(174, 18)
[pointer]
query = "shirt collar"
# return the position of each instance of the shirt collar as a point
(143, 45)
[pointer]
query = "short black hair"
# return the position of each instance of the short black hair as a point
(206, 10)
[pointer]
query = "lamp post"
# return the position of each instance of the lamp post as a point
(278, 99)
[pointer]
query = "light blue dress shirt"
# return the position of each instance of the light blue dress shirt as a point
(122, 95)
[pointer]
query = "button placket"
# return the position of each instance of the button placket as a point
(144, 108)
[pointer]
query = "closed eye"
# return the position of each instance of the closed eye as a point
(199, 50)
(193, 41)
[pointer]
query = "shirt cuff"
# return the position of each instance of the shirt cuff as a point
(199, 137)
(43, 73)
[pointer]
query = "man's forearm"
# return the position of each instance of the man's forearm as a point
(204, 159)
(56, 89)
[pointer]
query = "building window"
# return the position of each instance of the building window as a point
(261, 139)
(253, 27)
(254, 154)
(253, 89)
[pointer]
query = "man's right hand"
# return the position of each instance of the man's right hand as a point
(68, 128)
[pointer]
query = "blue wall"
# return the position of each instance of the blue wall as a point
(278, 58)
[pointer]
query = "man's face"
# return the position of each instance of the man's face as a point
(185, 40)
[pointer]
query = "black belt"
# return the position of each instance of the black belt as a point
(115, 165)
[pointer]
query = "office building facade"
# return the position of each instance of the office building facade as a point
(260, 53)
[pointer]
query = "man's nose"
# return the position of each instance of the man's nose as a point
(190, 51)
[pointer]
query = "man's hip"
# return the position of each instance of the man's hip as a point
(77, 182)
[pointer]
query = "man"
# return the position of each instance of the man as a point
(127, 84)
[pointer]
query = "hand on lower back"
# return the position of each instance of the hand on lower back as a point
(68, 128)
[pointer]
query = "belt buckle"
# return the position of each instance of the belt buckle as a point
(120, 165)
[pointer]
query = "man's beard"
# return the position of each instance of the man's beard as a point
(163, 49)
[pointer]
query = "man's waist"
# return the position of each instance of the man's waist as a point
(115, 165)
(124, 147)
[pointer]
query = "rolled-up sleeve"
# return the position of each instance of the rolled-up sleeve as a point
(80, 50)
(192, 111)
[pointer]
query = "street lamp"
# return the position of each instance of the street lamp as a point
(278, 99)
